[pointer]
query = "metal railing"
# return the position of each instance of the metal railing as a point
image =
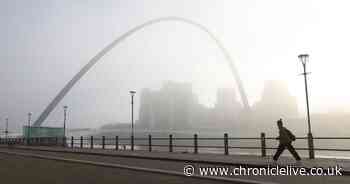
(170, 143)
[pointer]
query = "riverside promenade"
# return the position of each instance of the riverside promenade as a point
(157, 162)
(219, 159)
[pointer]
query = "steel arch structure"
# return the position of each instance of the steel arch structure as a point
(110, 46)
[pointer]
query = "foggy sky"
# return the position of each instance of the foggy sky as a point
(44, 43)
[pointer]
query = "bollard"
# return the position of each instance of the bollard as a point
(72, 142)
(195, 143)
(170, 143)
(81, 141)
(103, 142)
(226, 143)
(263, 144)
(116, 143)
(91, 142)
(149, 143)
(64, 141)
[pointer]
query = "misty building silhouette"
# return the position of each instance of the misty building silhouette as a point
(276, 101)
(175, 107)
(145, 120)
(227, 108)
(169, 108)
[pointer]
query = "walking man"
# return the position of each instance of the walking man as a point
(285, 137)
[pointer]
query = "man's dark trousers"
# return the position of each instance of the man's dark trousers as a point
(291, 149)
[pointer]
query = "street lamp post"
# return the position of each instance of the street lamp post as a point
(132, 93)
(64, 120)
(6, 129)
(304, 59)
(29, 119)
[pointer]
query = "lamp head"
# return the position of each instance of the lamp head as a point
(304, 58)
(132, 92)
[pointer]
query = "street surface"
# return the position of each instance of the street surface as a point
(19, 169)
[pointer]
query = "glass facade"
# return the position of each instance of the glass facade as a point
(42, 131)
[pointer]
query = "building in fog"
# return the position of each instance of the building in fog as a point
(145, 113)
(227, 108)
(169, 108)
(175, 107)
(276, 101)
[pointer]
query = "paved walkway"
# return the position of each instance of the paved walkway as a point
(19, 169)
(246, 160)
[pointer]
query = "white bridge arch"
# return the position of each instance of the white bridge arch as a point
(109, 47)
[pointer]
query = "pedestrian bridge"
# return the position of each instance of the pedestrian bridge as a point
(120, 39)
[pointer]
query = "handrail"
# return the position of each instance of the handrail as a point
(170, 141)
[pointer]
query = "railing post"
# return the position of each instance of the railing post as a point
(226, 143)
(195, 143)
(263, 144)
(91, 142)
(132, 143)
(116, 143)
(149, 143)
(311, 146)
(103, 142)
(72, 142)
(64, 141)
(81, 141)
(170, 143)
